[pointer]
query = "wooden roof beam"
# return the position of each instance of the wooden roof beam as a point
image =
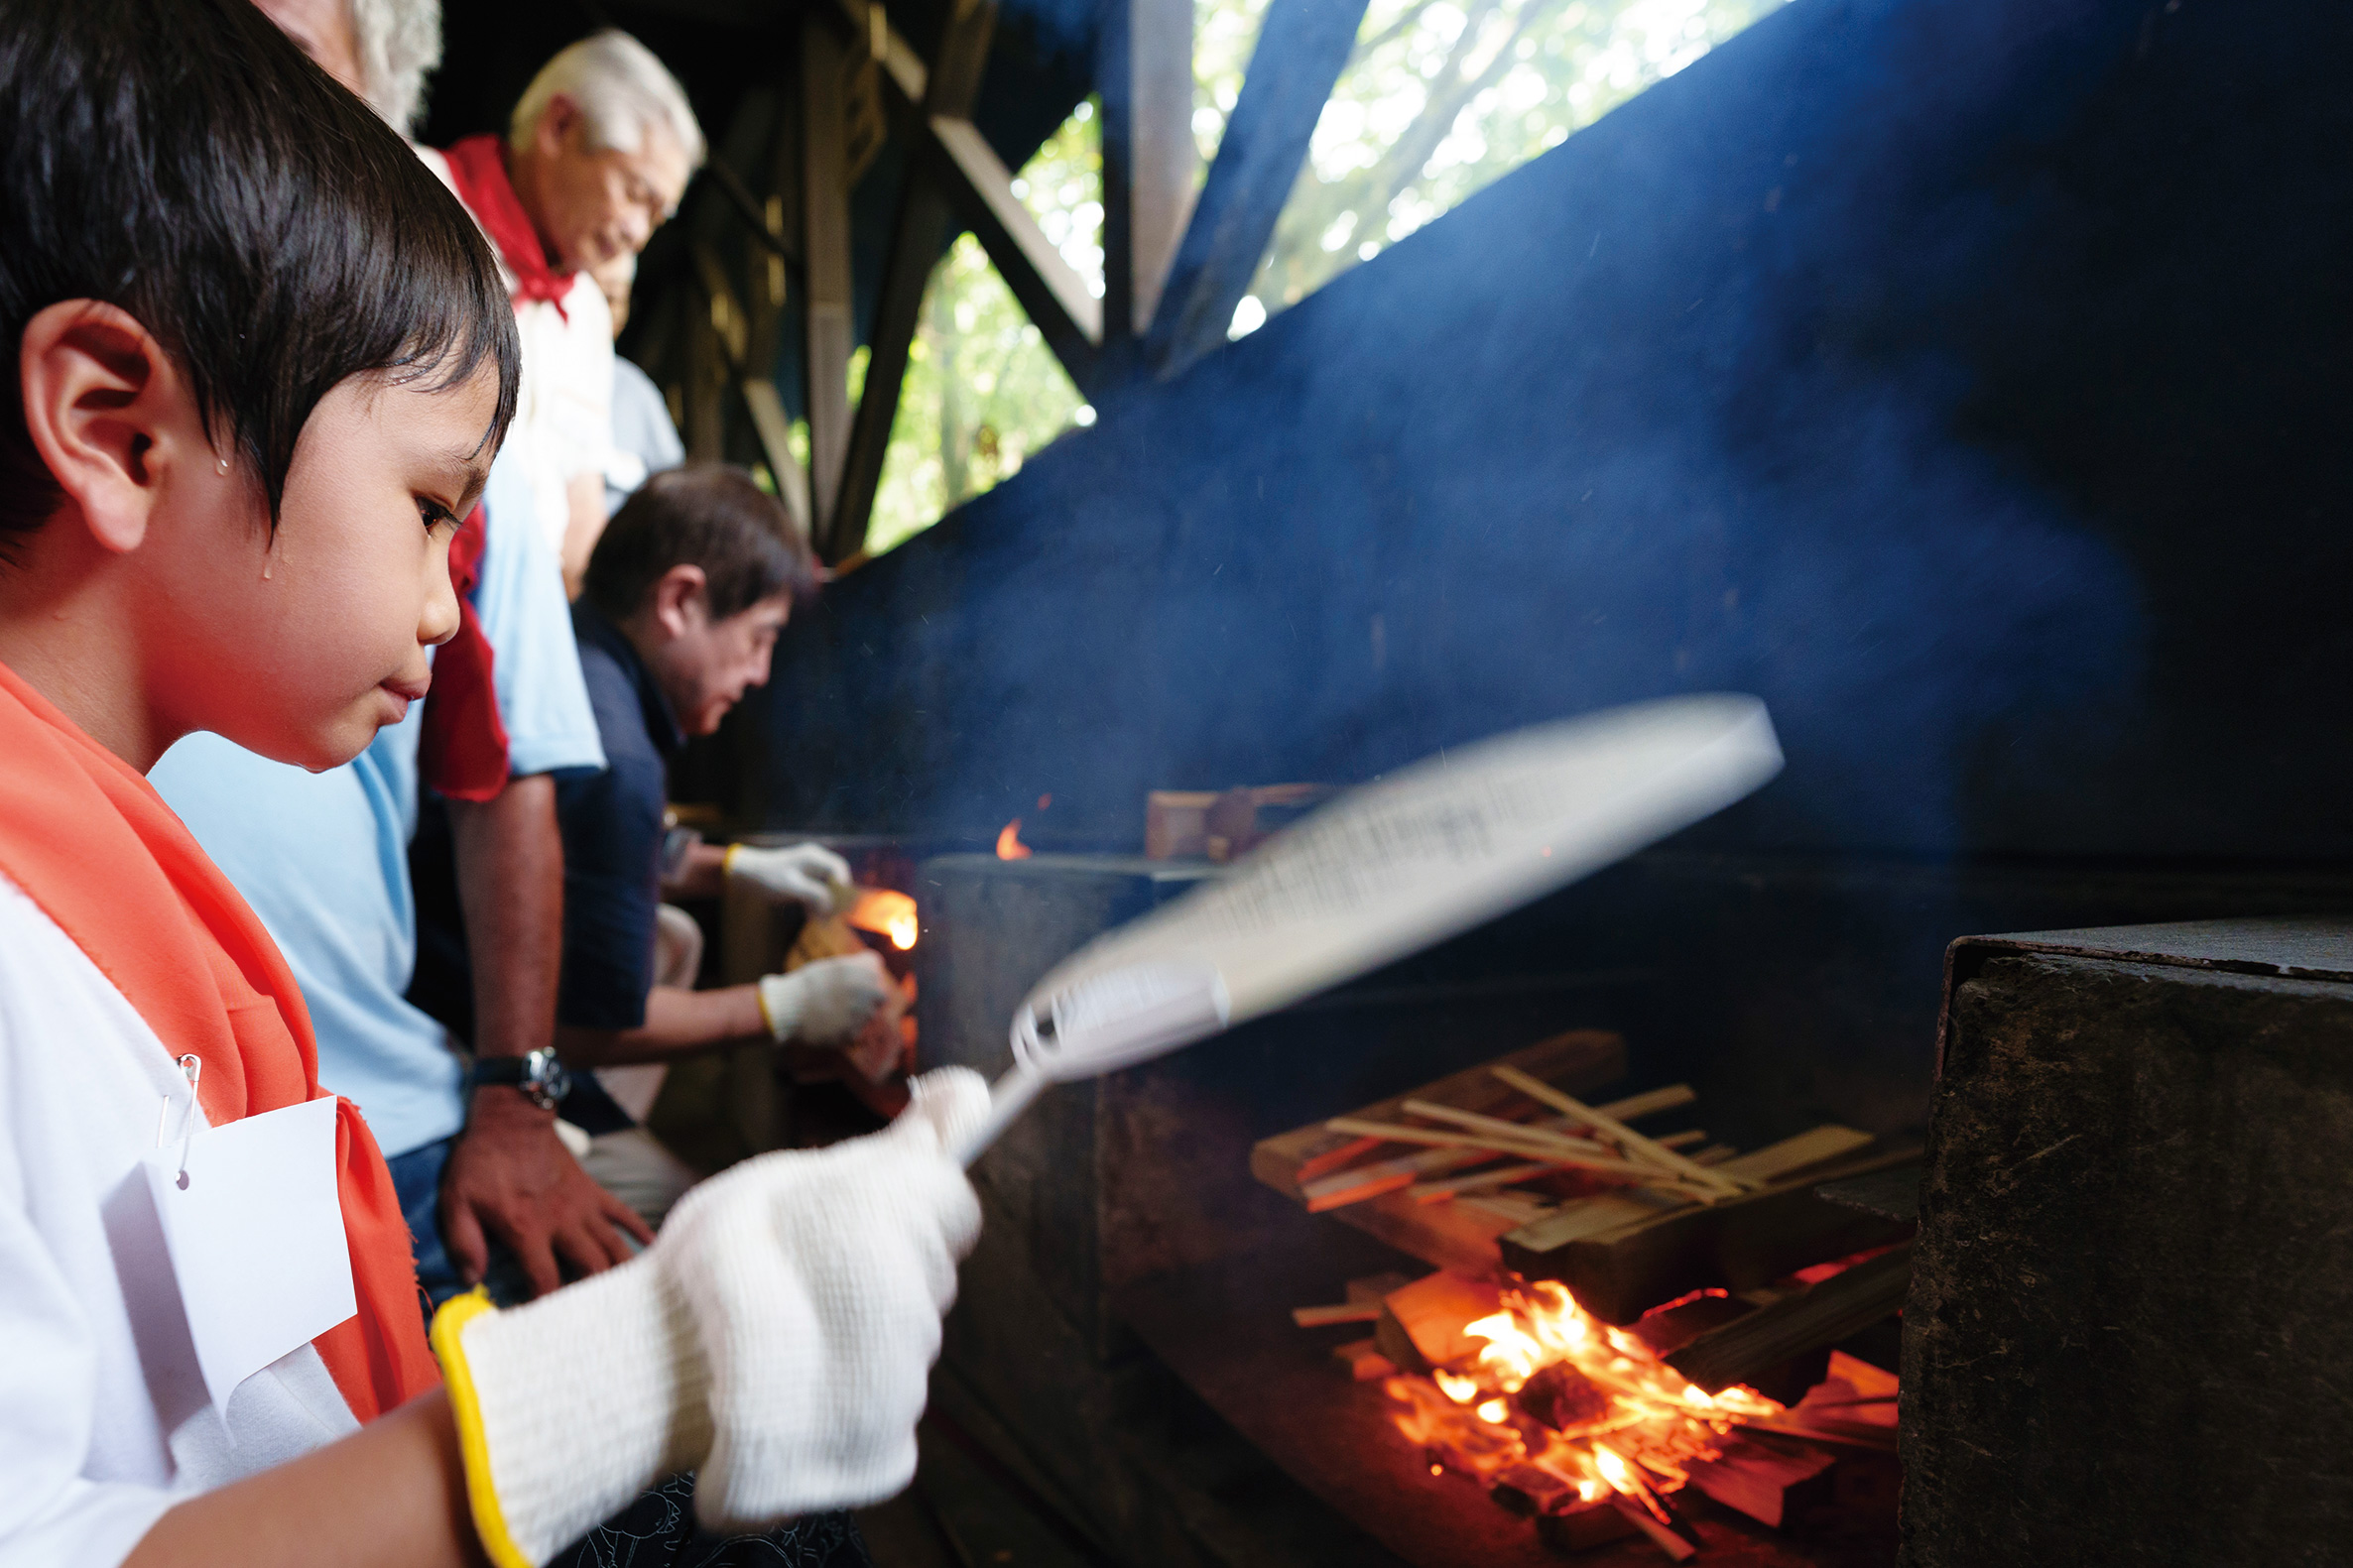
(1303, 45)
(917, 236)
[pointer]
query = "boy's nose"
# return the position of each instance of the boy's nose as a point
(438, 621)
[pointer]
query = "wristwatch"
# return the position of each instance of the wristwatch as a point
(537, 1073)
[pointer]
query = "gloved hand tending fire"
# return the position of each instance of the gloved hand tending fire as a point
(776, 1340)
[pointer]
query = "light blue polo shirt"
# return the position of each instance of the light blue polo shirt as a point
(323, 858)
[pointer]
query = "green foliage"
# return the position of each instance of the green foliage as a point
(1440, 97)
(983, 390)
(1443, 96)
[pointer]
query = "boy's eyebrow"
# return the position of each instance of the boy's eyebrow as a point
(468, 472)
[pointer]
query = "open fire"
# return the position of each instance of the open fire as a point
(886, 912)
(1554, 1391)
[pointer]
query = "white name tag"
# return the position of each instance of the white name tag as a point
(255, 1231)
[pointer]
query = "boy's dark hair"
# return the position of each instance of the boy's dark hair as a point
(709, 516)
(183, 160)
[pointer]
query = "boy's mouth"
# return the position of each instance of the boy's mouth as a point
(408, 689)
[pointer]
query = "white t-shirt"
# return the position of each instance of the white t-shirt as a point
(564, 419)
(104, 1422)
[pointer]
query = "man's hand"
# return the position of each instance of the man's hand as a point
(826, 1002)
(510, 1177)
(811, 874)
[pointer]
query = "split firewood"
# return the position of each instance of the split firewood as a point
(1377, 1289)
(1511, 1207)
(1528, 1492)
(1420, 1326)
(1364, 1361)
(1621, 1253)
(1348, 1312)
(1446, 1187)
(1581, 1526)
(1332, 1160)
(1769, 1482)
(1824, 1314)
(1672, 1534)
(1502, 1175)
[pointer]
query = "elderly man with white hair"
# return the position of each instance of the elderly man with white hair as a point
(596, 156)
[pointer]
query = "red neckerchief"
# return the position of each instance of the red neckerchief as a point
(463, 752)
(91, 841)
(478, 166)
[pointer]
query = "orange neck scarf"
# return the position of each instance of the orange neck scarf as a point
(91, 841)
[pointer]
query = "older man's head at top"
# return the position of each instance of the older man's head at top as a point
(382, 49)
(600, 147)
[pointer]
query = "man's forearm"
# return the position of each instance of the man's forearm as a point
(679, 1022)
(703, 876)
(510, 883)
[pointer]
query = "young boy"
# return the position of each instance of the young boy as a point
(261, 361)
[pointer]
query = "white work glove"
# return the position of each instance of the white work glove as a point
(775, 1339)
(825, 1003)
(811, 874)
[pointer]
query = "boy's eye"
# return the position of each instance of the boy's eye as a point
(433, 514)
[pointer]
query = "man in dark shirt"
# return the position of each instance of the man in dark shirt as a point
(683, 601)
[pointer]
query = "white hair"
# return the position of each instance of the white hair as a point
(397, 42)
(620, 86)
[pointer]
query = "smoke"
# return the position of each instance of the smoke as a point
(1776, 380)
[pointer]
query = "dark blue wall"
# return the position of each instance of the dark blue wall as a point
(1968, 378)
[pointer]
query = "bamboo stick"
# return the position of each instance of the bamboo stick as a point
(1625, 1138)
(1650, 1102)
(1495, 1124)
(1643, 1174)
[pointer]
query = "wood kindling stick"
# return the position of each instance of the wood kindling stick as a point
(1495, 1124)
(1434, 1138)
(1625, 1138)
(1650, 1102)
(1439, 1191)
(1649, 1175)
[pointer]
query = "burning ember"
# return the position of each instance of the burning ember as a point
(1555, 1391)
(886, 912)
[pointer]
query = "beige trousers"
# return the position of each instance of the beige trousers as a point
(632, 1165)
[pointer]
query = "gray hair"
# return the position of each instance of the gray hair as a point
(398, 43)
(620, 86)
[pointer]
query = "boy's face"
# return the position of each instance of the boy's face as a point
(706, 666)
(302, 645)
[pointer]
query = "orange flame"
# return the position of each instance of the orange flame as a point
(886, 912)
(1009, 842)
(1471, 1415)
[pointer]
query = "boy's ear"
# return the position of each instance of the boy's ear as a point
(678, 601)
(108, 413)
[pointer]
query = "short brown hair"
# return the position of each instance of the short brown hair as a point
(706, 514)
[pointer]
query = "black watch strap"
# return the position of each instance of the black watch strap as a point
(538, 1074)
